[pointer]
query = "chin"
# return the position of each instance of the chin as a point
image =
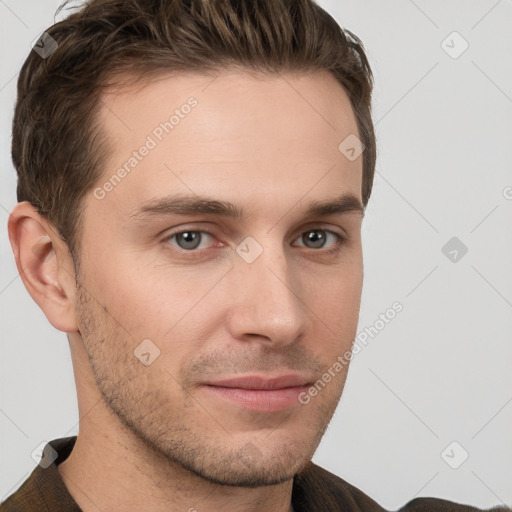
(236, 474)
(249, 467)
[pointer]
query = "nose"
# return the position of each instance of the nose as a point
(267, 303)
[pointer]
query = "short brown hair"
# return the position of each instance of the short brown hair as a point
(57, 146)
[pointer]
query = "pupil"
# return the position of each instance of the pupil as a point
(314, 237)
(191, 239)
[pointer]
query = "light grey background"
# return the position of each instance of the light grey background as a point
(437, 373)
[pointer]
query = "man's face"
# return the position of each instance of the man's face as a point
(272, 293)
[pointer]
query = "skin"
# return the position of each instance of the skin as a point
(153, 437)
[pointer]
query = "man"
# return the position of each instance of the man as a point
(193, 177)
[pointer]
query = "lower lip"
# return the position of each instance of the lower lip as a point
(260, 400)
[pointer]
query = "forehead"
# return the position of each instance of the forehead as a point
(230, 100)
(230, 132)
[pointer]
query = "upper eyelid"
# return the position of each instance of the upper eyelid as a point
(202, 229)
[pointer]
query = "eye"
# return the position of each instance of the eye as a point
(190, 239)
(316, 238)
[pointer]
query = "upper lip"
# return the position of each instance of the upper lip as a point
(260, 382)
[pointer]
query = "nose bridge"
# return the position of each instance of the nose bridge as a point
(268, 301)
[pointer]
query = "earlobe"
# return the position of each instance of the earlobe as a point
(44, 264)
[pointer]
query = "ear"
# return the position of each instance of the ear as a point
(45, 265)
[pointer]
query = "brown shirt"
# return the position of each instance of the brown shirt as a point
(314, 490)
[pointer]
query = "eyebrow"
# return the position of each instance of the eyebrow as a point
(195, 206)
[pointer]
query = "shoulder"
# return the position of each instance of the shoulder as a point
(44, 489)
(316, 489)
(27, 497)
(439, 505)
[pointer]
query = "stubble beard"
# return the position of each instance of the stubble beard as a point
(143, 412)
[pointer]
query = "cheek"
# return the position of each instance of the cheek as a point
(335, 291)
(169, 306)
(335, 304)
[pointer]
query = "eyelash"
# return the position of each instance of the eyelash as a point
(341, 240)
